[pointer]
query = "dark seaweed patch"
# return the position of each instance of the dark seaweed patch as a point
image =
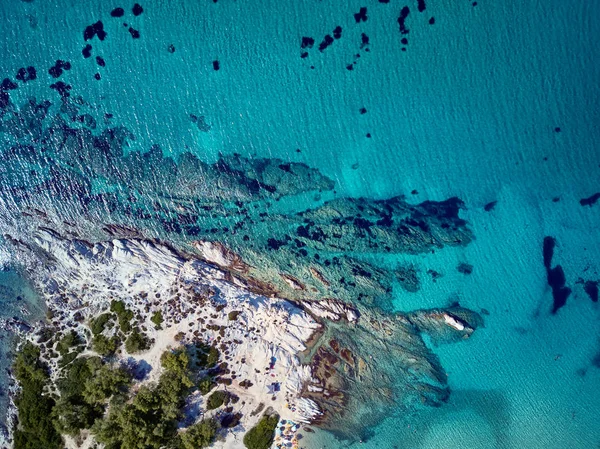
(87, 51)
(326, 42)
(590, 288)
(171, 48)
(404, 12)
(97, 76)
(117, 12)
(337, 32)
(432, 21)
(275, 244)
(361, 16)
(7, 84)
(364, 40)
(100, 61)
(57, 69)
(137, 9)
(307, 42)
(421, 5)
(216, 65)
(96, 29)
(4, 99)
(591, 200)
(363, 110)
(134, 33)
(62, 88)
(26, 74)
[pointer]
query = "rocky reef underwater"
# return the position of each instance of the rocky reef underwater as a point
(256, 257)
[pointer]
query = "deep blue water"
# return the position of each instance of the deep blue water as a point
(494, 102)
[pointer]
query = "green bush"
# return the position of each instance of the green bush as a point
(157, 319)
(98, 324)
(124, 315)
(69, 340)
(149, 420)
(261, 435)
(36, 429)
(105, 346)
(217, 399)
(199, 435)
(206, 385)
(136, 342)
(104, 383)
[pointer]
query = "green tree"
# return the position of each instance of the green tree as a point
(136, 342)
(105, 382)
(205, 385)
(157, 319)
(216, 400)
(70, 417)
(261, 435)
(105, 346)
(199, 435)
(36, 429)
(98, 324)
(69, 340)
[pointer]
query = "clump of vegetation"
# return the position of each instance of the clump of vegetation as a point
(157, 319)
(206, 385)
(149, 420)
(84, 389)
(98, 324)
(36, 429)
(69, 340)
(233, 315)
(199, 435)
(136, 342)
(217, 399)
(207, 356)
(261, 435)
(124, 315)
(105, 346)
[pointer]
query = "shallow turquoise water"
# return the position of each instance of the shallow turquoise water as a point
(470, 109)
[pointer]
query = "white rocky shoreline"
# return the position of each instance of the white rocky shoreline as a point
(262, 339)
(259, 346)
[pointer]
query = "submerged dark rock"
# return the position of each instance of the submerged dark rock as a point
(408, 279)
(590, 288)
(560, 293)
(548, 250)
(216, 65)
(134, 33)
(465, 268)
(4, 99)
(7, 84)
(490, 206)
(117, 12)
(591, 200)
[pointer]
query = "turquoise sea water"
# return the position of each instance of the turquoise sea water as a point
(468, 110)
